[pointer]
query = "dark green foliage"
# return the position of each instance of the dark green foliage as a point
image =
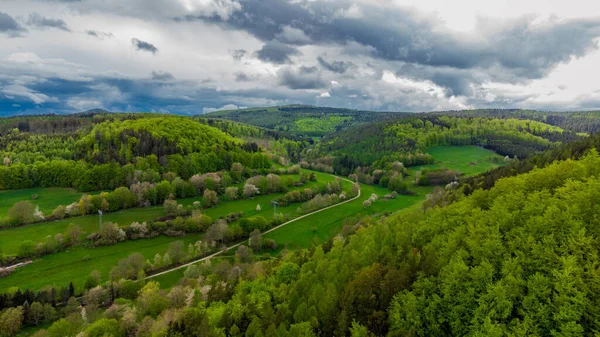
(407, 139)
(304, 120)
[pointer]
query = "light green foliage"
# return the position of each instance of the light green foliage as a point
(318, 126)
(104, 327)
(190, 136)
(48, 198)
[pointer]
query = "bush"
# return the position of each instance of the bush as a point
(210, 198)
(109, 234)
(170, 206)
(250, 224)
(22, 212)
(232, 193)
(26, 249)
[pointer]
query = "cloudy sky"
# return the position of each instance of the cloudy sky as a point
(194, 56)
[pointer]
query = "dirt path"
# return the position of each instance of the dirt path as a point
(270, 230)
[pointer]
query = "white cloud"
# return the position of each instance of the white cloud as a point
(18, 90)
(224, 107)
(408, 84)
(198, 54)
(352, 12)
(83, 104)
(293, 35)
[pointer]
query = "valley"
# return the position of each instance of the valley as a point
(196, 209)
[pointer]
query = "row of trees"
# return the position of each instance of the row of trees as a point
(145, 193)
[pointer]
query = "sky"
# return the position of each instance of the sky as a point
(198, 56)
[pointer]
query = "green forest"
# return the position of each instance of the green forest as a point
(300, 221)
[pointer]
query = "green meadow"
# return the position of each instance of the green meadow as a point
(468, 160)
(47, 198)
(75, 264)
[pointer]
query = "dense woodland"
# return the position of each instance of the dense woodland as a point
(583, 121)
(99, 152)
(407, 139)
(309, 121)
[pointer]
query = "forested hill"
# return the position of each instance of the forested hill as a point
(577, 121)
(406, 139)
(104, 151)
(319, 121)
(304, 120)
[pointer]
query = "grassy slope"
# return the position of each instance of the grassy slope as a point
(10, 239)
(327, 224)
(76, 264)
(461, 158)
(48, 198)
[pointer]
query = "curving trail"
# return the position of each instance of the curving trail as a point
(270, 230)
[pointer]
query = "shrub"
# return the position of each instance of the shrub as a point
(232, 193)
(22, 212)
(210, 198)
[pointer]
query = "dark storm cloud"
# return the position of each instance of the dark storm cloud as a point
(162, 76)
(303, 78)
(276, 52)
(457, 82)
(144, 46)
(238, 54)
(41, 22)
(98, 34)
(526, 49)
(9, 26)
(339, 67)
(134, 95)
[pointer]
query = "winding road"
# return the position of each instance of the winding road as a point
(270, 230)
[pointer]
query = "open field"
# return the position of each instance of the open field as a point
(75, 264)
(48, 198)
(327, 224)
(11, 238)
(469, 160)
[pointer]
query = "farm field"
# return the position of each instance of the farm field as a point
(77, 263)
(48, 198)
(11, 238)
(327, 224)
(469, 160)
(52, 268)
(300, 234)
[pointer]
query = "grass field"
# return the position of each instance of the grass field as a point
(11, 238)
(75, 264)
(328, 223)
(469, 160)
(48, 198)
